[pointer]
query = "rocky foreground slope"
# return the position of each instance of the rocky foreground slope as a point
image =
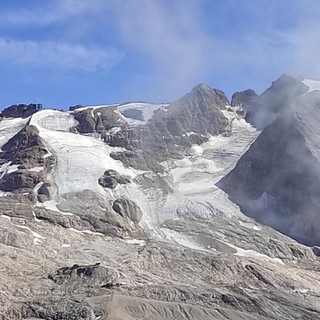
(114, 212)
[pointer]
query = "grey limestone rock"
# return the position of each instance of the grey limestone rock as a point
(244, 98)
(98, 120)
(79, 277)
(112, 178)
(27, 150)
(46, 192)
(127, 208)
(171, 132)
(20, 110)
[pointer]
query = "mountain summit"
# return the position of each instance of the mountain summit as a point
(163, 211)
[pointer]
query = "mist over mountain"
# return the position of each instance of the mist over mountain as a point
(202, 208)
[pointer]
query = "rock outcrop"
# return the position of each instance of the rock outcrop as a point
(127, 209)
(112, 178)
(28, 152)
(20, 110)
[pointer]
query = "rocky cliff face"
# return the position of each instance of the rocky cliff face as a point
(113, 212)
(263, 109)
(277, 179)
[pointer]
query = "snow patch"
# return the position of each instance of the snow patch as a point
(81, 160)
(249, 225)
(174, 236)
(36, 169)
(87, 232)
(93, 107)
(145, 109)
(253, 254)
(52, 205)
(10, 127)
(135, 241)
(37, 237)
(7, 168)
(313, 85)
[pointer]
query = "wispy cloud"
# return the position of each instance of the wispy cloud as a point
(171, 36)
(177, 43)
(53, 55)
(49, 12)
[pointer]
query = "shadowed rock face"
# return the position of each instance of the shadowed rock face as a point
(112, 178)
(243, 98)
(263, 109)
(127, 209)
(282, 169)
(100, 120)
(27, 150)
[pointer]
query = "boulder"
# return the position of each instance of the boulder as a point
(46, 192)
(112, 178)
(127, 208)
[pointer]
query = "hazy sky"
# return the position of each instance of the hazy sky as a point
(66, 52)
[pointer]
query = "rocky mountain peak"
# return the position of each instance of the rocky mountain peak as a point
(243, 98)
(205, 93)
(115, 211)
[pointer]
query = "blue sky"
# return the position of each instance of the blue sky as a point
(66, 52)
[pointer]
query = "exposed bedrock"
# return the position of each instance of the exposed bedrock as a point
(117, 220)
(127, 209)
(98, 120)
(82, 277)
(243, 98)
(112, 178)
(20, 110)
(27, 151)
(46, 192)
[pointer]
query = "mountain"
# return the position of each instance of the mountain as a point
(134, 210)
(277, 179)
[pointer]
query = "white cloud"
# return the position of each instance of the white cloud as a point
(171, 40)
(53, 55)
(169, 34)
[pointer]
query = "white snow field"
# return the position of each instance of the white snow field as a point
(10, 127)
(146, 109)
(81, 160)
(194, 177)
(312, 84)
